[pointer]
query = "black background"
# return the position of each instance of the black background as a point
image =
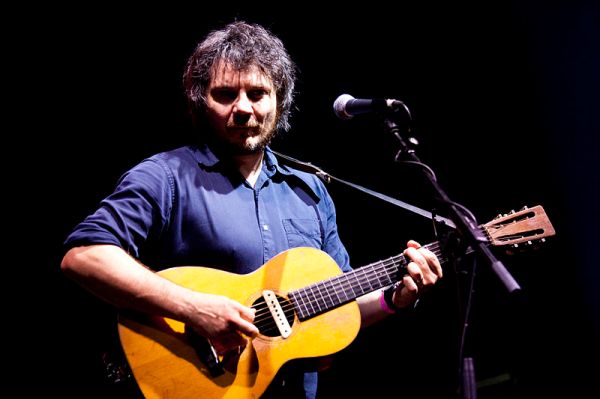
(504, 99)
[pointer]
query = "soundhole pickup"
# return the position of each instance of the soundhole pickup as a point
(274, 315)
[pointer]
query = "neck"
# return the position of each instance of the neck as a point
(249, 166)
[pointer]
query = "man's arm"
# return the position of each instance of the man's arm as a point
(113, 275)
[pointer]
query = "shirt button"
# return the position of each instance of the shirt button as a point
(265, 227)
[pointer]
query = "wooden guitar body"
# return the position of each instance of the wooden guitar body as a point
(165, 364)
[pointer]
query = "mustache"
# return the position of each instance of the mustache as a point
(245, 125)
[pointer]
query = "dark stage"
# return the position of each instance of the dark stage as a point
(505, 106)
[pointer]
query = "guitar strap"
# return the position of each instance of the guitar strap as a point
(327, 178)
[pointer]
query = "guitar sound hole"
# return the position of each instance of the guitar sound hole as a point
(263, 319)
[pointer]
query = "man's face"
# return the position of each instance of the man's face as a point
(242, 108)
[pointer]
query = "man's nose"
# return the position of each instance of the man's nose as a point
(242, 104)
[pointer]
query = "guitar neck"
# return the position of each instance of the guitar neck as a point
(515, 228)
(325, 295)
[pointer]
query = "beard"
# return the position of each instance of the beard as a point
(254, 144)
(247, 138)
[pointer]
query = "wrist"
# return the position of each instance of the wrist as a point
(386, 300)
(384, 305)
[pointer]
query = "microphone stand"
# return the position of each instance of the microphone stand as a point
(467, 228)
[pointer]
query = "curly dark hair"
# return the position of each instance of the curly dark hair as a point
(241, 45)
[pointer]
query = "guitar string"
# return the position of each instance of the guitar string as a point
(268, 324)
(339, 281)
(345, 285)
(390, 266)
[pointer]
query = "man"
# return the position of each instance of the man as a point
(224, 202)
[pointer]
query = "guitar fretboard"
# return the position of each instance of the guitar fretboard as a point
(324, 295)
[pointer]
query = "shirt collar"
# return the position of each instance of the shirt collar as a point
(204, 156)
(272, 164)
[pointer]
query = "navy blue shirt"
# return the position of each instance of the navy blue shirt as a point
(186, 207)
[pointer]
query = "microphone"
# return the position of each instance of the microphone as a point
(346, 106)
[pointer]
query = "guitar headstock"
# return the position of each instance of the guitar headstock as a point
(529, 226)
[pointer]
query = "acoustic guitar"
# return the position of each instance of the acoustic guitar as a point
(305, 307)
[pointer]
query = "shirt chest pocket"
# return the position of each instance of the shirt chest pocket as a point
(303, 233)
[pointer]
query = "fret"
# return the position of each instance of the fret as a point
(335, 291)
(315, 299)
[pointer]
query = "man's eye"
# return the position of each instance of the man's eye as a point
(256, 95)
(224, 96)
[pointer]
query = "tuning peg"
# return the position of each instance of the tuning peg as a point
(525, 207)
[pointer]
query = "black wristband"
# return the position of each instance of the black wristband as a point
(388, 297)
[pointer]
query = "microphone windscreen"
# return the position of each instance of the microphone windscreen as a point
(339, 106)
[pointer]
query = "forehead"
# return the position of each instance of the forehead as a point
(225, 75)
